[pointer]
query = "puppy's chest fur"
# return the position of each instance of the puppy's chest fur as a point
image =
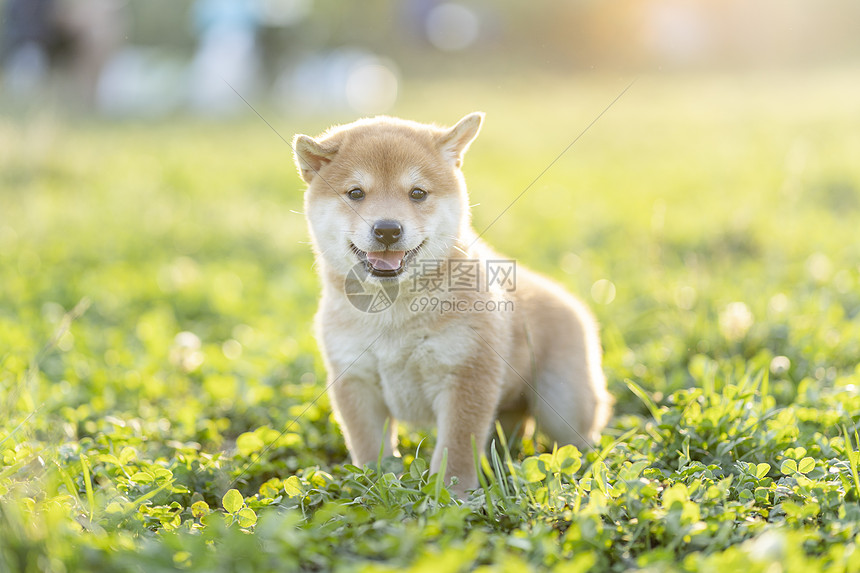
(406, 375)
(411, 366)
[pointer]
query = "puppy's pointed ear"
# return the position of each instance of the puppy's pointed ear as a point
(311, 156)
(454, 142)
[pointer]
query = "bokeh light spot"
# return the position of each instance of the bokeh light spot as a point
(452, 27)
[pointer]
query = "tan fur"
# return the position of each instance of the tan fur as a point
(457, 370)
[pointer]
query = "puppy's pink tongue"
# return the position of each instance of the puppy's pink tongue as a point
(386, 260)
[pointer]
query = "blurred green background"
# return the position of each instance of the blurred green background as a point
(726, 174)
(157, 285)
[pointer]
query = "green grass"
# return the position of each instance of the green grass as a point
(127, 446)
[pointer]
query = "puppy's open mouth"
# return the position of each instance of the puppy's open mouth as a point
(386, 263)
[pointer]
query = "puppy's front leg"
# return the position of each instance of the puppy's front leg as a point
(361, 411)
(465, 409)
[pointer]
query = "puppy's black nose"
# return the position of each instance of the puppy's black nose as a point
(387, 232)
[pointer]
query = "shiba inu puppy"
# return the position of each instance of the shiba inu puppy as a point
(406, 333)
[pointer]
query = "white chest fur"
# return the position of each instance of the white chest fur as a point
(411, 362)
(414, 369)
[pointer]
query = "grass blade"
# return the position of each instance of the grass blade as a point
(382, 448)
(488, 494)
(498, 472)
(70, 485)
(88, 484)
(646, 399)
(853, 458)
(440, 477)
(19, 426)
(509, 462)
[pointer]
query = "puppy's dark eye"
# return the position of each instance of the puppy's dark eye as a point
(418, 194)
(355, 194)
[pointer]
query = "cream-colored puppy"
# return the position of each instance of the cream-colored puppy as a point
(419, 320)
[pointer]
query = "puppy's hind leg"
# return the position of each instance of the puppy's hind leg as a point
(572, 405)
